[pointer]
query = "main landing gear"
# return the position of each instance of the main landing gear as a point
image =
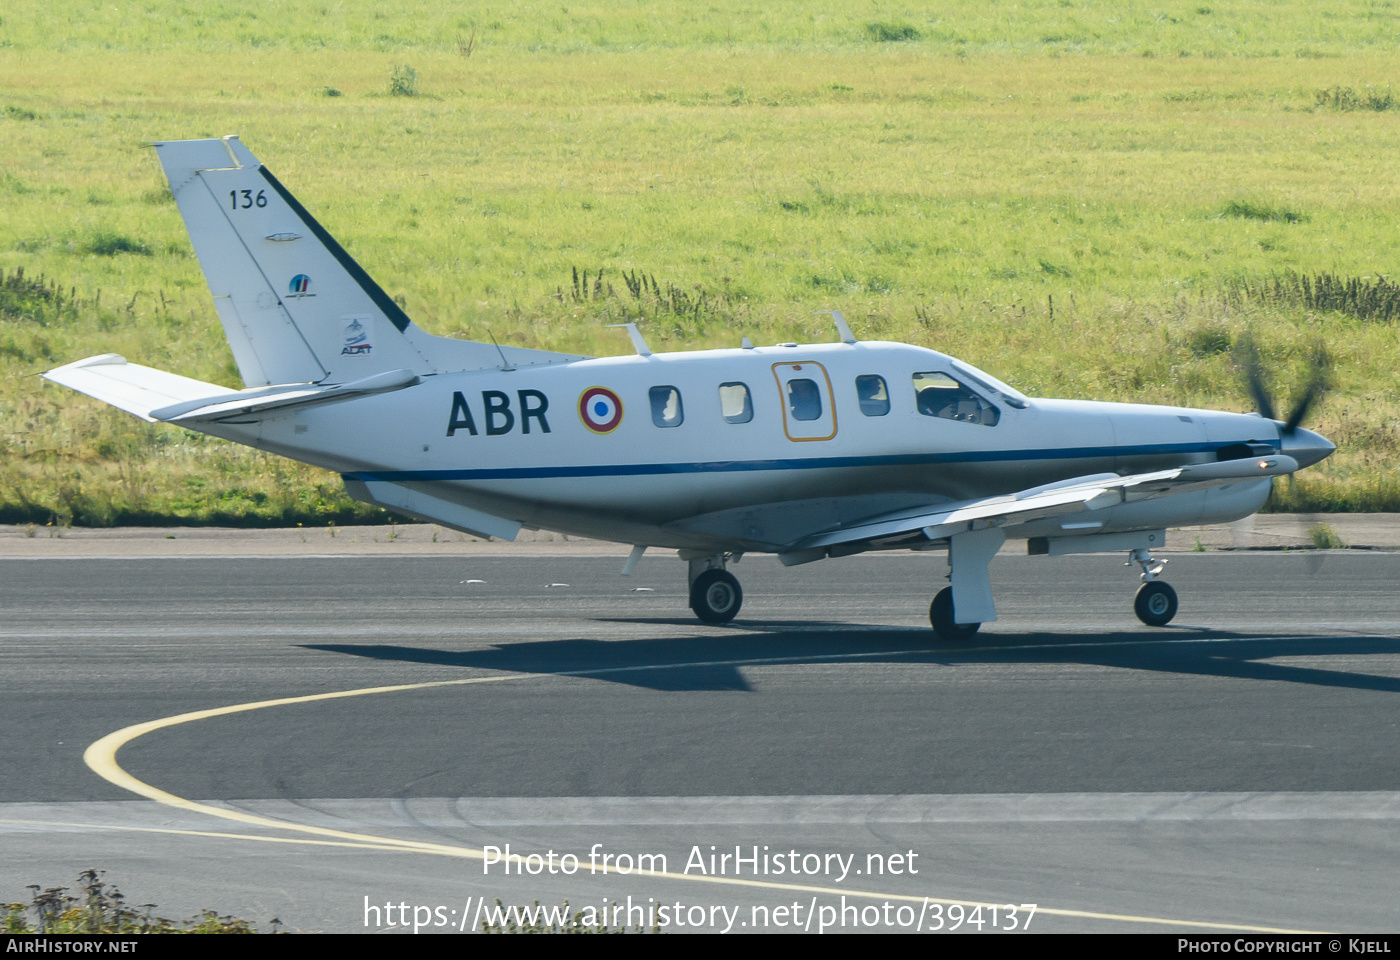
(960, 609)
(715, 594)
(940, 614)
(1155, 603)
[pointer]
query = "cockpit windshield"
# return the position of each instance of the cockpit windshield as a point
(1008, 394)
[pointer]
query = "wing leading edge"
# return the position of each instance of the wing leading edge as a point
(1077, 495)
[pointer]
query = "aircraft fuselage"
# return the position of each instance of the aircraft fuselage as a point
(525, 444)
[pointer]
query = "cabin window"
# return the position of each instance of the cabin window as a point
(804, 399)
(735, 402)
(874, 398)
(939, 395)
(666, 408)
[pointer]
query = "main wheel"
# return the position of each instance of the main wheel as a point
(715, 596)
(940, 614)
(1155, 603)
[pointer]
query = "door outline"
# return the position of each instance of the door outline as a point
(797, 367)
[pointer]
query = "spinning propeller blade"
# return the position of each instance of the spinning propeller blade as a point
(1247, 357)
(1318, 378)
(1252, 369)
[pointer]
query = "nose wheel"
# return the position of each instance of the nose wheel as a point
(715, 596)
(1155, 603)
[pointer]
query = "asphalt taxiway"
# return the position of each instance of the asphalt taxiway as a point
(322, 730)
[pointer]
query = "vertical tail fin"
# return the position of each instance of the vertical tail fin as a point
(295, 306)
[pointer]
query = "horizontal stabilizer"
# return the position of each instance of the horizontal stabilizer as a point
(245, 402)
(159, 397)
(130, 386)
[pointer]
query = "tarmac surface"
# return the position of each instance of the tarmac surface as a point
(1237, 768)
(1275, 531)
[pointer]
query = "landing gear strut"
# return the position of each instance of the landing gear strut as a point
(1155, 603)
(715, 594)
(940, 614)
(966, 603)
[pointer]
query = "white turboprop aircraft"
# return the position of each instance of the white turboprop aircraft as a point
(803, 450)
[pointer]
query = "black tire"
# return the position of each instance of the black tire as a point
(940, 614)
(1155, 603)
(716, 597)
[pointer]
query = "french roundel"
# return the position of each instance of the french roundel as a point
(600, 409)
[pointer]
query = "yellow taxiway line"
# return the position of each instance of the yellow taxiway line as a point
(101, 757)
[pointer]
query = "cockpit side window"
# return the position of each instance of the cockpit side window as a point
(939, 395)
(666, 408)
(874, 397)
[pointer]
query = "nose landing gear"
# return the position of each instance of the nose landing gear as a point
(1155, 602)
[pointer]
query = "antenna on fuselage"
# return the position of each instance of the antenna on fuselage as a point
(505, 364)
(638, 342)
(843, 329)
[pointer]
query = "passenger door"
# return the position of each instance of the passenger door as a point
(805, 395)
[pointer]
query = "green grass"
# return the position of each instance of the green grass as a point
(1162, 28)
(1016, 185)
(1323, 537)
(97, 907)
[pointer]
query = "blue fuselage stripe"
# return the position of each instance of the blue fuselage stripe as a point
(813, 463)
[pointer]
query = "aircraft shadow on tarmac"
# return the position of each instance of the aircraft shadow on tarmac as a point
(714, 663)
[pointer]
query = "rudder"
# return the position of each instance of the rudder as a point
(295, 308)
(294, 305)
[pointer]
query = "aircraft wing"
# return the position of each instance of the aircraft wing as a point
(159, 397)
(1069, 496)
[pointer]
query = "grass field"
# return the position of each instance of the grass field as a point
(1074, 196)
